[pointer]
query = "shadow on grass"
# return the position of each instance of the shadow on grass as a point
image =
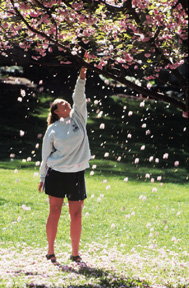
(3, 201)
(105, 278)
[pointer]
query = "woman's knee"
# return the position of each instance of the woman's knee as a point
(75, 209)
(55, 210)
(76, 215)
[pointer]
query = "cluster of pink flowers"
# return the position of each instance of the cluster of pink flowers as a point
(69, 23)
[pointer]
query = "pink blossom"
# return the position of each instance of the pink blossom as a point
(142, 104)
(152, 246)
(185, 114)
(151, 158)
(22, 133)
(142, 147)
(144, 125)
(19, 99)
(128, 58)
(149, 85)
(120, 60)
(154, 189)
(37, 146)
(22, 92)
(19, 219)
(102, 126)
(148, 132)
(130, 113)
(12, 155)
(99, 199)
(174, 239)
(125, 179)
(34, 14)
(176, 163)
(106, 155)
(65, 62)
(165, 156)
(100, 114)
(136, 160)
(24, 207)
(113, 226)
(39, 135)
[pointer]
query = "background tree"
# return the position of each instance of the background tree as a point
(131, 42)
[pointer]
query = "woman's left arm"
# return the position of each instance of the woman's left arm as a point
(79, 97)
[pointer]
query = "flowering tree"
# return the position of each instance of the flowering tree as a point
(128, 41)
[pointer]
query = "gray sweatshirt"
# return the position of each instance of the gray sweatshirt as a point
(65, 144)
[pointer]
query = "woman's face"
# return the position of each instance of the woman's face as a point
(63, 109)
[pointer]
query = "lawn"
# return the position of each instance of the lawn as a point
(135, 219)
(132, 234)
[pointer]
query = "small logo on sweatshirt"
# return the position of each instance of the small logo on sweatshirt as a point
(75, 127)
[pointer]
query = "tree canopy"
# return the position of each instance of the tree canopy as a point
(128, 41)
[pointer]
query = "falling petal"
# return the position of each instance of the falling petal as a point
(22, 133)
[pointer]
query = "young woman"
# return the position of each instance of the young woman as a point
(65, 156)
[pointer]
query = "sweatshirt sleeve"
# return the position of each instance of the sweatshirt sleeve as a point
(79, 98)
(47, 149)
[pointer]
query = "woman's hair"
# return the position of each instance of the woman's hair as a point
(53, 117)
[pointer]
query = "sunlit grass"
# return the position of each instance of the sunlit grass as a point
(110, 201)
(119, 218)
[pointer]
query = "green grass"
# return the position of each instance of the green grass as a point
(109, 202)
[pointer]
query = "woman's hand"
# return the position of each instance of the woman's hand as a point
(83, 73)
(40, 186)
(83, 70)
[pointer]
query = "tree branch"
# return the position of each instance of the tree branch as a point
(142, 90)
(50, 15)
(107, 74)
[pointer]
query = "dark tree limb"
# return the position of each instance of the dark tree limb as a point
(81, 62)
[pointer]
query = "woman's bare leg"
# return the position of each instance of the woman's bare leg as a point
(52, 221)
(75, 208)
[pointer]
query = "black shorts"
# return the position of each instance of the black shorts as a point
(60, 184)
